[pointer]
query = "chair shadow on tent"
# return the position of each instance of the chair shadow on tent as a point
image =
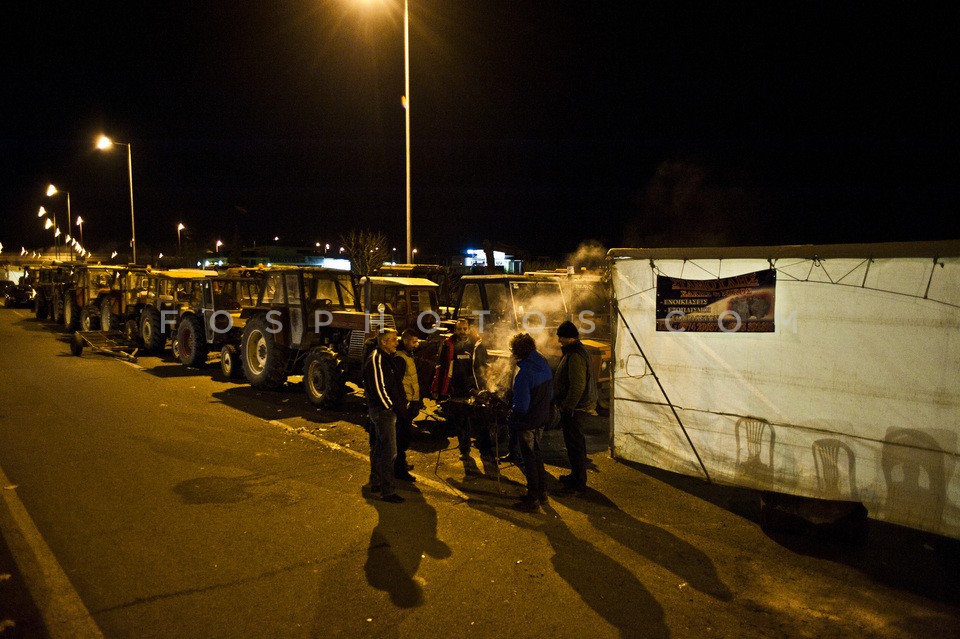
(754, 466)
(913, 468)
(826, 462)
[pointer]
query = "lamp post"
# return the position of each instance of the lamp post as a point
(80, 224)
(104, 143)
(219, 244)
(414, 258)
(180, 227)
(406, 108)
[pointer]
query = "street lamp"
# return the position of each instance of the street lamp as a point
(48, 224)
(219, 244)
(406, 109)
(80, 224)
(405, 101)
(104, 143)
(51, 191)
(414, 257)
(180, 227)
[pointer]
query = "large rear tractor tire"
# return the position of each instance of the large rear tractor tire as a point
(230, 363)
(41, 307)
(264, 360)
(107, 320)
(56, 309)
(322, 379)
(89, 318)
(71, 314)
(151, 332)
(191, 342)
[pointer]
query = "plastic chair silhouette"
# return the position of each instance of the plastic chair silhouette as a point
(826, 453)
(754, 430)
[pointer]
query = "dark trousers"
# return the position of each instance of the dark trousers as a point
(404, 435)
(573, 424)
(383, 451)
(533, 470)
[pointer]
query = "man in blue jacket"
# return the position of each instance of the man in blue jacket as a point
(529, 414)
(386, 399)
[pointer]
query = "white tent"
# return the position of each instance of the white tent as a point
(843, 384)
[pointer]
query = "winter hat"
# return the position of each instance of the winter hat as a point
(568, 329)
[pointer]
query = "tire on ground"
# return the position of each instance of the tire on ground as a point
(322, 379)
(151, 333)
(132, 332)
(56, 308)
(71, 314)
(89, 318)
(76, 345)
(107, 321)
(264, 360)
(191, 342)
(230, 361)
(41, 308)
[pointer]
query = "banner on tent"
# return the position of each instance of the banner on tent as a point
(742, 303)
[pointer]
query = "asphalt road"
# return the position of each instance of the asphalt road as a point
(173, 502)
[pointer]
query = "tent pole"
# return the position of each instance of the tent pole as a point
(664, 392)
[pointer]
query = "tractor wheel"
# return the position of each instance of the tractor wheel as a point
(264, 360)
(56, 310)
(132, 332)
(107, 321)
(322, 379)
(191, 342)
(41, 308)
(230, 361)
(150, 331)
(76, 345)
(89, 319)
(71, 314)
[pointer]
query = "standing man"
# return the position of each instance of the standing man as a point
(529, 414)
(409, 343)
(383, 389)
(575, 393)
(461, 372)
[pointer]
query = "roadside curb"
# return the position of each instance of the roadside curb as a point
(64, 613)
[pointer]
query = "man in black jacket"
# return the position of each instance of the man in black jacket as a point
(575, 393)
(383, 389)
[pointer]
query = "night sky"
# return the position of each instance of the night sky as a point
(535, 124)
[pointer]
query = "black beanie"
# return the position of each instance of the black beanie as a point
(568, 329)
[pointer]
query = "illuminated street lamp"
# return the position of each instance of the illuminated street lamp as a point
(180, 227)
(413, 257)
(47, 224)
(80, 224)
(406, 109)
(104, 143)
(219, 244)
(405, 101)
(51, 191)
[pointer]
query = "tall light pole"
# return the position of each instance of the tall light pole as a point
(180, 227)
(56, 229)
(80, 224)
(51, 191)
(406, 108)
(104, 143)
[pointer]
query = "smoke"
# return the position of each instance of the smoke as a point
(591, 254)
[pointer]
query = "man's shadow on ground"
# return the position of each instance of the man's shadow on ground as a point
(403, 535)
(604, 584)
